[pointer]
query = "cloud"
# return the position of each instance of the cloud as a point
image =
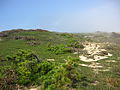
(102, 18)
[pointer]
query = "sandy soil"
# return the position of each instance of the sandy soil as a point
(95, 51)
(50, 59)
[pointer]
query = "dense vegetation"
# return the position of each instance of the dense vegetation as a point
(25, 61)
(29, 70)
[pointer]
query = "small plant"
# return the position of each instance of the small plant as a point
(75, 44)
(67, 35)
(59, 49)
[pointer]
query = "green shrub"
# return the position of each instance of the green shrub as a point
(67, 35)
(23, 62)
(59, 49)
(50, 75)
(62, 76)
(74, 43)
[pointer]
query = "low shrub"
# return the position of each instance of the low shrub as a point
(59, 49)
(62, 76)
(75, 44)
(50, 75)
(67, 35)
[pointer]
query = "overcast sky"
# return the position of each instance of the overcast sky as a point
(61, 15)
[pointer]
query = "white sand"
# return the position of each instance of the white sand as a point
(94, 50)
(50, 59)
(93, 65)
(110, 61)
(95, 53)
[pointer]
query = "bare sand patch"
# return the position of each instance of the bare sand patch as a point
(110, 61)
(93, 65)
(50, 59)
(95, 51)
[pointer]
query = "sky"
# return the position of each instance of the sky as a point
(61, 15)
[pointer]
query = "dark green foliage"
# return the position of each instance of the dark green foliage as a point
(50, 75)
(74, 43)
(62, 76)
(67, 35)
(59, 49)
(24, 61)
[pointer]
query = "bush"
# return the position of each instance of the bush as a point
(67, 35)
(59, 49)
(23, 61)
(75, 44)
(50, 75)
(62, 76)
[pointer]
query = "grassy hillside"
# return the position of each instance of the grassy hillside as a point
(35, 40)
(58, 47)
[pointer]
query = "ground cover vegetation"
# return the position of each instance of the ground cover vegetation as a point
(50, 61)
